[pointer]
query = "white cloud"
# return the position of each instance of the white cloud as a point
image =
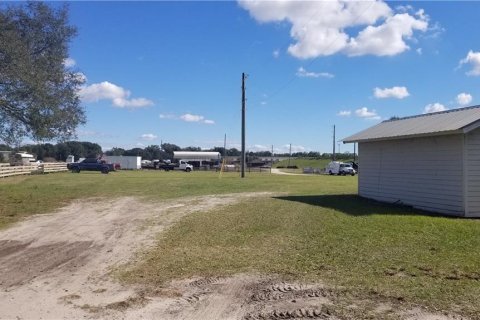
(464, 99)
(394, 92)
(191, 117)
(472, 58)
(276, 53)
(148, 136)
(387, 39)
(367, 114)
(344, 113)
(419, 51)
(187, 117)
(434, 107)
(301, 72)
(116, 94)
(322, 28)
(166, 116)
(69, 62)
(401, 8)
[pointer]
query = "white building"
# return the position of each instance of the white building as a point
(201, 157)
(429, 161)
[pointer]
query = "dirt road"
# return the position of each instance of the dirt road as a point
(58, 266)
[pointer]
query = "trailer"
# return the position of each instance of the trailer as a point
(126, 162)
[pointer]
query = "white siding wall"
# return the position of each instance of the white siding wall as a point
(472, 163)
(426, 173)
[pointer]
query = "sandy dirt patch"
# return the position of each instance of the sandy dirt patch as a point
(278, 171)
(58, 266)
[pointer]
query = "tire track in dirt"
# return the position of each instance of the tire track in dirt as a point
(58, 265)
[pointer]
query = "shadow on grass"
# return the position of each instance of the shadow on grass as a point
(355, 205)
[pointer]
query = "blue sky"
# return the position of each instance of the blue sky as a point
(171, 71)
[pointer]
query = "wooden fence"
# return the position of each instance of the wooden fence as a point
(7, 171)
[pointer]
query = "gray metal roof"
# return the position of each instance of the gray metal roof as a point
(438, 123)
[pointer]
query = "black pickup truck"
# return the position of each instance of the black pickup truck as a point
(91, 164)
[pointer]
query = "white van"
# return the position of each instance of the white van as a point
(340, 168)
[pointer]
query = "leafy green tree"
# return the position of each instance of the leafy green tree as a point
(134, 152)
(233, 152)
(91, 150)
(116, 152)
(38, 94)
(219, 149)
(191, 149)
(169, 148)
(4, 147)
(62, 151)
(49, 150)
(152, 152)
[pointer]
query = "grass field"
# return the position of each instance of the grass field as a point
(303, 163)
(315, 229)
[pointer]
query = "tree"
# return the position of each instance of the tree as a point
(38, 94)
(116, 152)
(134, 152)
(192, 149)
(169, 148)
(4, 147)
(233, 152)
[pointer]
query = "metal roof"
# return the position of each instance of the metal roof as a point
(190, 155)
(430, 124)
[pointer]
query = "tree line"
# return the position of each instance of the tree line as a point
(59, 151)
(85, 149)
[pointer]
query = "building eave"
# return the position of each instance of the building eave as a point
(412, 136)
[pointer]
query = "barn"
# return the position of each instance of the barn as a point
(429, 161)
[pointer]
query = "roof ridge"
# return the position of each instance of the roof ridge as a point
(432, 113)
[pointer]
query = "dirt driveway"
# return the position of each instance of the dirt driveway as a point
(58, 266)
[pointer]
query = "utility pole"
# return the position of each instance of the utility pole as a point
(243, 127)
(271, 163)
(289, 155)
(333, 142)
(225, 147)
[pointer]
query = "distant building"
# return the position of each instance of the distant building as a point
(429, 161)
(198, 158)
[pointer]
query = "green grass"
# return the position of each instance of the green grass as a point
(27, 195)
(325, 233)
(318, 230)
(303, 163)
